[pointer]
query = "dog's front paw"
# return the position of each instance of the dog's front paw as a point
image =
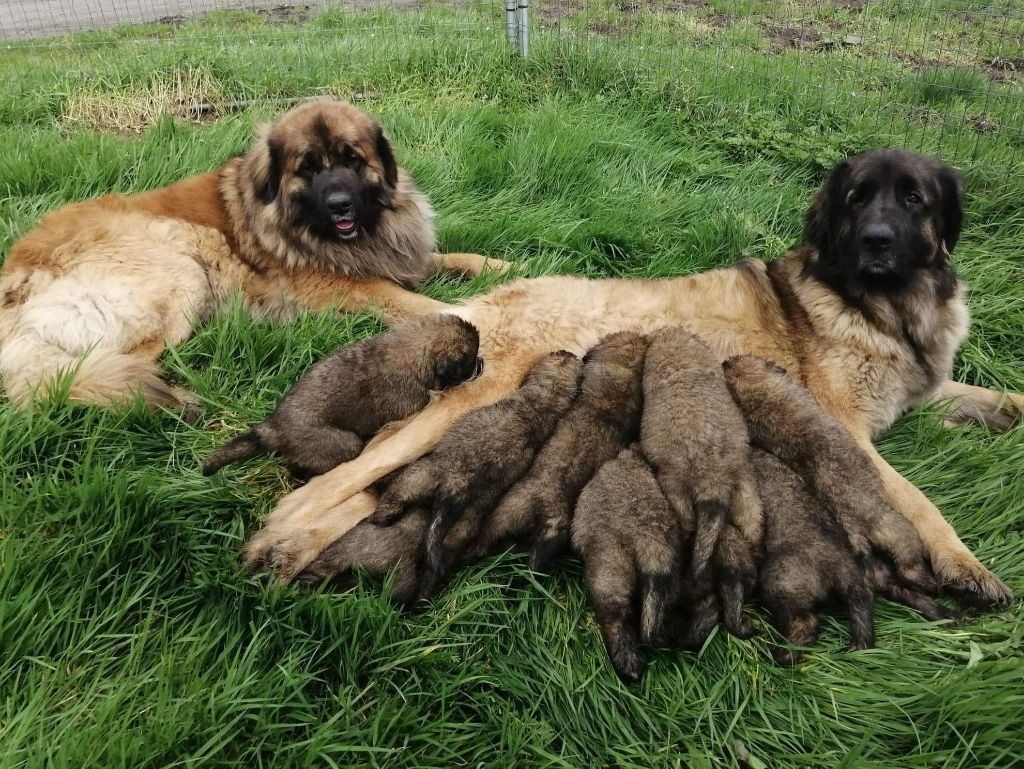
(967, 580)
(285, 554)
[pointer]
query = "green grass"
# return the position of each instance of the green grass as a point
(129, 635)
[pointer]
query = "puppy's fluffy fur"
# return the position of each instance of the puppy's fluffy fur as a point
(603, 420)
(347, 397)
(480, 457)
(696, 440)
(809, 562)
(632, 545)
(784, 418)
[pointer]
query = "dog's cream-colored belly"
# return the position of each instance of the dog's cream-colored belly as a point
(126, 286)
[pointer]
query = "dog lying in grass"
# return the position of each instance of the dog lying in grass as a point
(696, 440)
(348, 396)
(479, 458)
(604, 419)
(809, 562)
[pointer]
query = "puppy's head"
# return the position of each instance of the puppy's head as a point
(327, 169)
(449, 347)
(752, 379)
(624, 348)
(883, 216)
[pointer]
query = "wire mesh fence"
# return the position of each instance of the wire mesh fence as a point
(936, 75)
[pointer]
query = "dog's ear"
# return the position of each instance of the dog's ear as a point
(951, 207)
(825, 213)
(387, 158)
(267, 174)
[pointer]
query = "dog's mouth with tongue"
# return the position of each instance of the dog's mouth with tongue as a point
(346, 226)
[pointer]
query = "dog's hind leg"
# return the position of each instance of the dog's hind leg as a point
(303, 509)
(471, 265)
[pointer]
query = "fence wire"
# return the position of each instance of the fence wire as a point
(937, 75)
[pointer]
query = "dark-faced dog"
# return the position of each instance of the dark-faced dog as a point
(348, 396)
(883, 219)
(695, 438)
(784, 418)
(479, 458)
(604, 419)
(869, 341)
(632, 544)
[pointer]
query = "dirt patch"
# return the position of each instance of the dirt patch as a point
(605, 29)
(983, 124)
(851, 5)
(721, 20)
(785, 38)
(285, 14)
(1005, 69)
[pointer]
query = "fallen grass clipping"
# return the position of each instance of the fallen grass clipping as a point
(129, 634)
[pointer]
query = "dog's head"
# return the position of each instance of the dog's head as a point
(883, 216)
(328, 168)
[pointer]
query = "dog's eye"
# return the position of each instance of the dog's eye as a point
(914, 197)
(351, 158)
(310, 165)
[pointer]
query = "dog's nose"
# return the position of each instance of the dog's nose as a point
(338, 202)
(878, 237)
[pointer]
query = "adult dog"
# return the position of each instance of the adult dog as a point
(317, 214)
(867, 314)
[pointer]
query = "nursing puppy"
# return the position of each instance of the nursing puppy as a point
(809, 564)
(604, 419)
(480, 457)
(695, 438)
(784, 418)
(632, 544)
(346, 398)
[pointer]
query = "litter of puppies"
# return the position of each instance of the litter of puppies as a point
(688, 487)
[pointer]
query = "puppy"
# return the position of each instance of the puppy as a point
(809, 562)
(378, 551)
(348, 396)
(479, 458)
(603, 420)
(784, 418)
(632, 544)
(695, 438)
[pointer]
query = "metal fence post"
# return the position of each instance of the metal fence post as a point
(524, 27)
(511, 24)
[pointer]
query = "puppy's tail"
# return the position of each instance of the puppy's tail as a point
(711, 516)
(859, 601)
(246, 446)
(654, 596)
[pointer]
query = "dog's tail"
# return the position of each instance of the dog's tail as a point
(32, 366)
(246, 446)
(711, 516)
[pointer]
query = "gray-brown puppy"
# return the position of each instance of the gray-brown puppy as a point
(632, 544)
(694, 437)
(348, 396)
(784, 418)
(809, 563)
(604, 419)
(480, 457)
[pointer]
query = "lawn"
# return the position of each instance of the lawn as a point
(652, 143)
